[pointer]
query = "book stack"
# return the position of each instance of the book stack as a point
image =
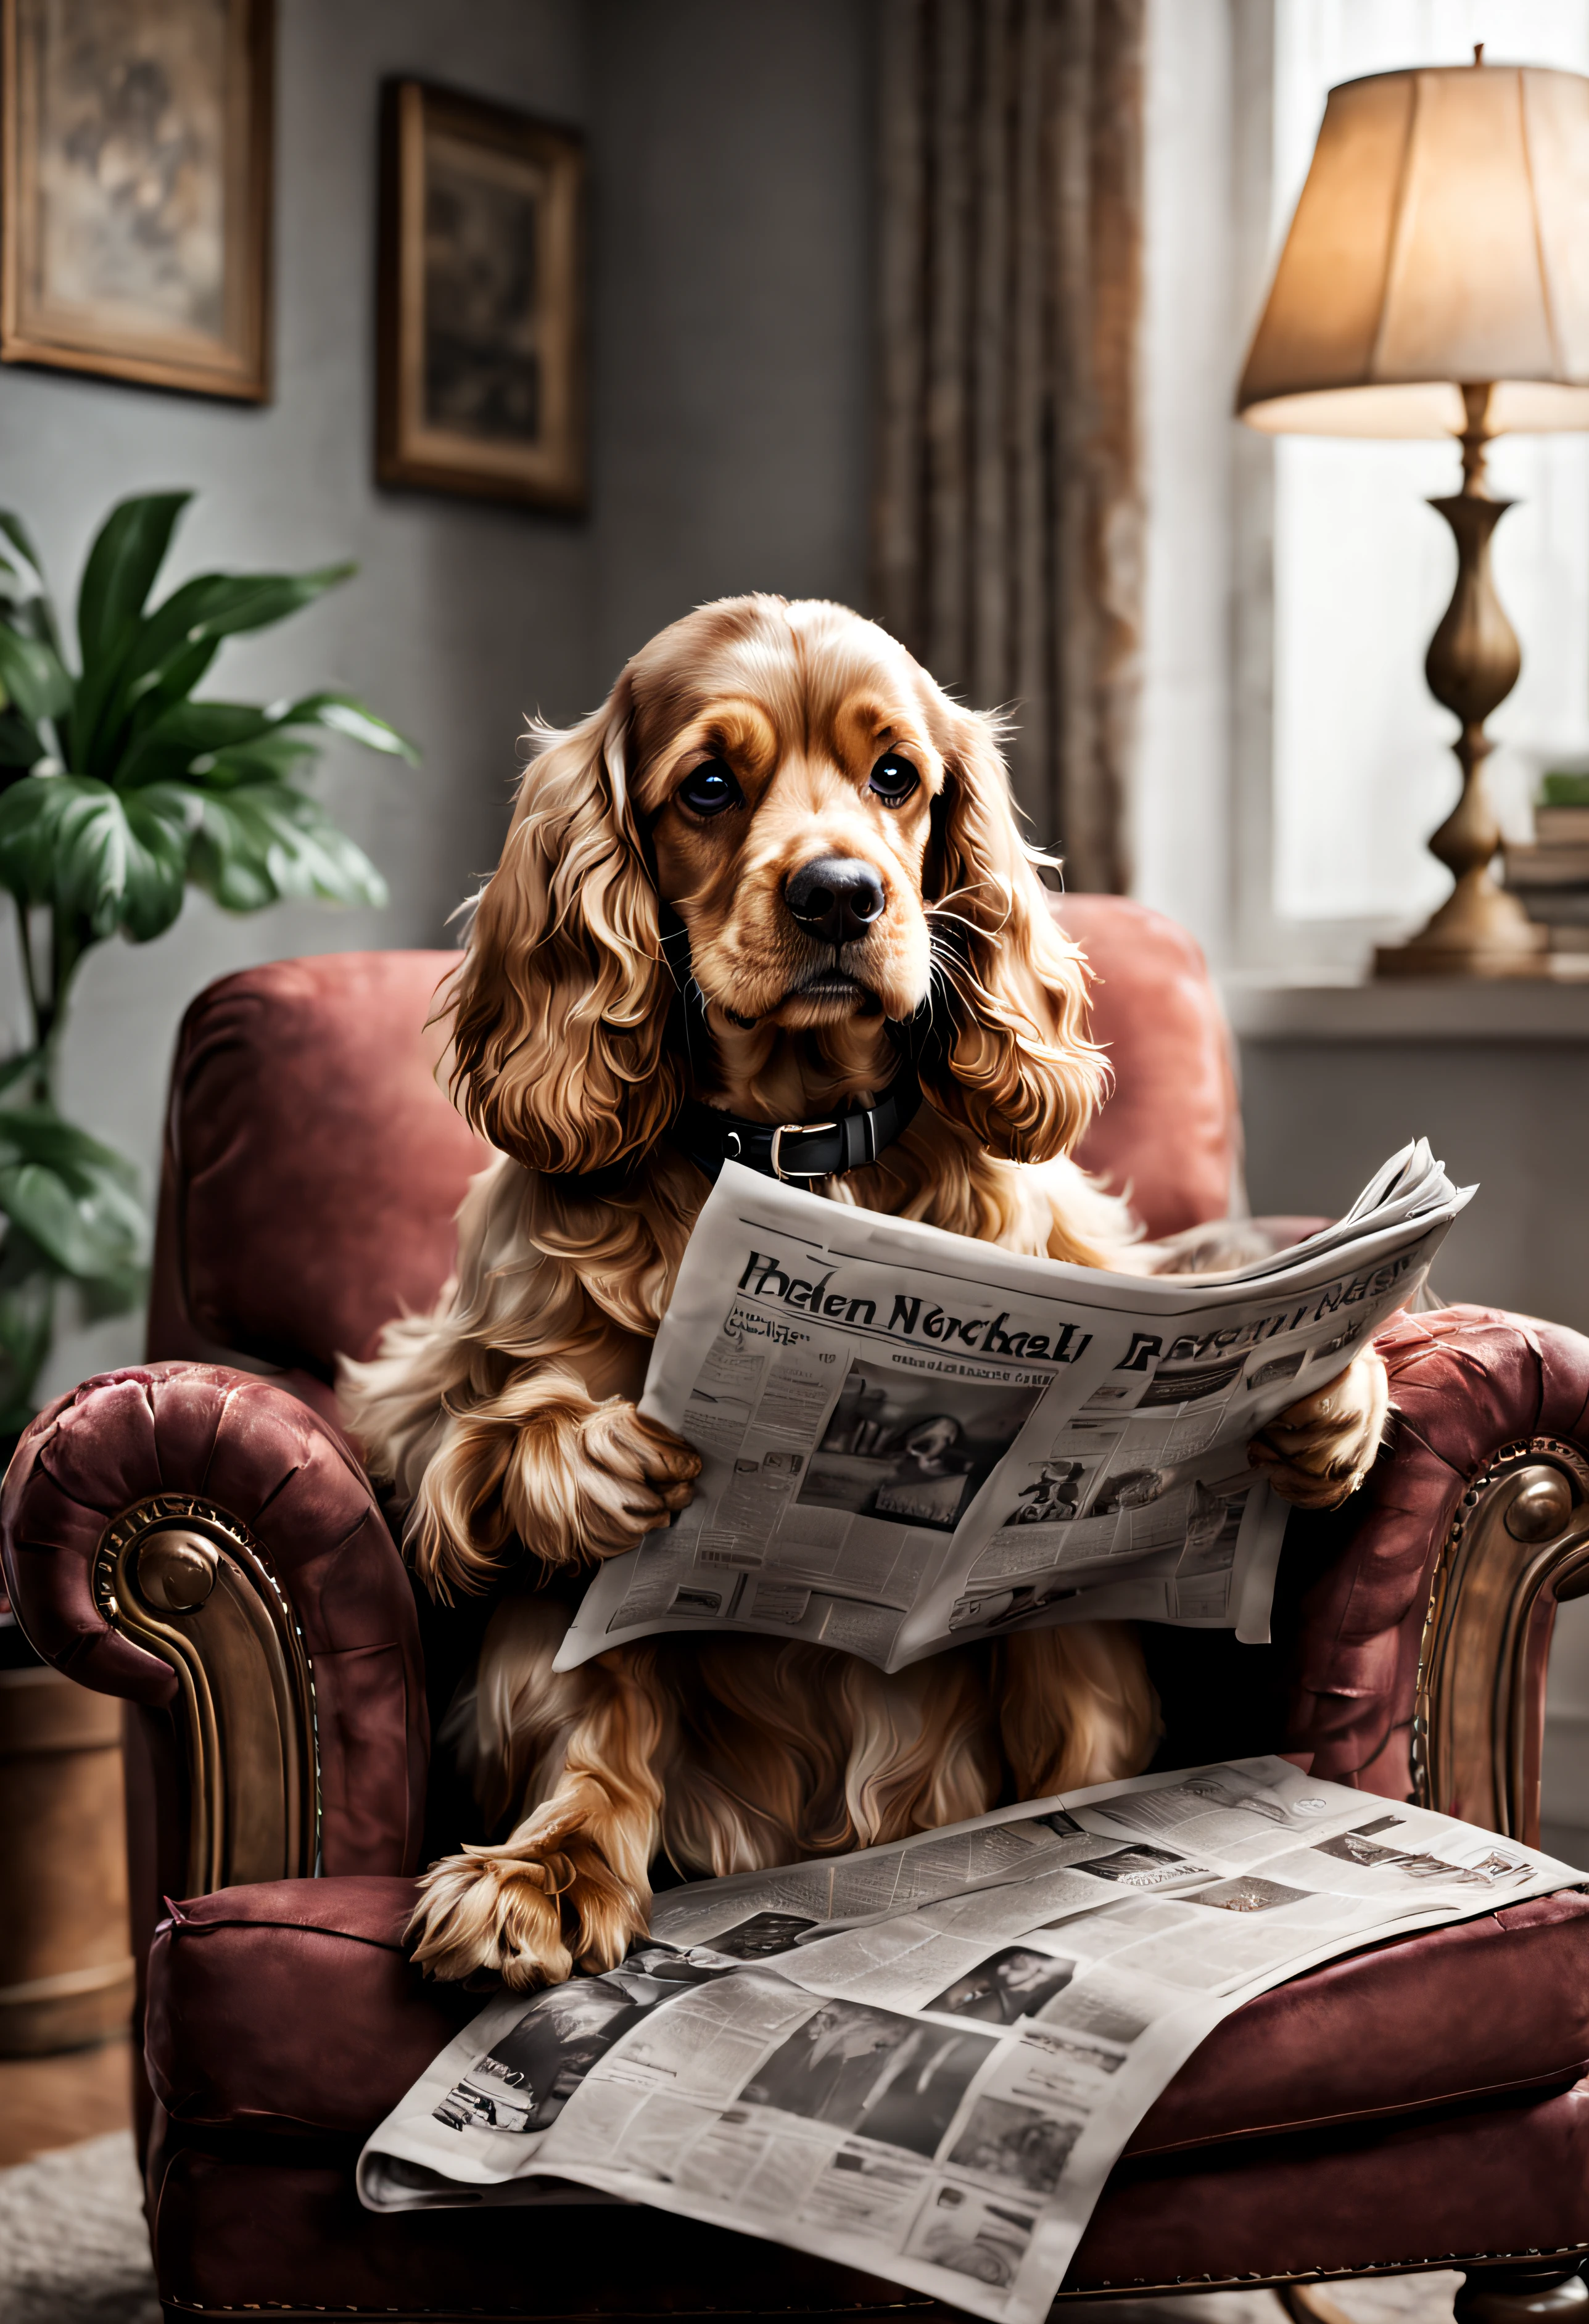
(1551, 878)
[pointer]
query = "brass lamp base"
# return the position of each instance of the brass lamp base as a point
(1479, 930)
(1436, 960)
(1472, 665)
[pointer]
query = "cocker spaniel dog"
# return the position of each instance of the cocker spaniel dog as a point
(730, 895)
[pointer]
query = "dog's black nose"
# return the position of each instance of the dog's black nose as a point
(836, 898)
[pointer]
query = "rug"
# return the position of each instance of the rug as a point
(73, 2250)
(73, 2245)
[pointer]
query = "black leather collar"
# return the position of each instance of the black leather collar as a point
(797, 1152)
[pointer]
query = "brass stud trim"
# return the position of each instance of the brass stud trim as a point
(185, 1580)
(1518, 1539)
(1136, 2288)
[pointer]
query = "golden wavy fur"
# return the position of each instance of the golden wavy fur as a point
(507, 1419)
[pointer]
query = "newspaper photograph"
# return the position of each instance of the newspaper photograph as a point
(923, 2060)
(911, 1438)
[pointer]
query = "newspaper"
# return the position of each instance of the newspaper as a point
(923, 2060)
(911, 1438)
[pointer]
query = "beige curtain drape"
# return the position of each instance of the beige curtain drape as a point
(1008, 518)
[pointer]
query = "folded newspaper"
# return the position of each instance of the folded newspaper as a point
(911, 1438)
(923, 2060)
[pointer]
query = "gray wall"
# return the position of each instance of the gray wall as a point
(1513, 1117)
(460, 617)
(733, 168)
(730, 165)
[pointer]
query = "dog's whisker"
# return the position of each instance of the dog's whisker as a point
(943, 957)
(1001, 887)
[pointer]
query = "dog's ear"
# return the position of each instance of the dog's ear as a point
(560, 1009)
(1011, 1057)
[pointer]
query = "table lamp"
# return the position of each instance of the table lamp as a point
(1435, 281)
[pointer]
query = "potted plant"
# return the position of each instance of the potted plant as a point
(117, 791)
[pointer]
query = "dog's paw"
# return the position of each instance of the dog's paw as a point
(631, 1478)
(592, 1481)
(1319, 1450)
(528, 1911)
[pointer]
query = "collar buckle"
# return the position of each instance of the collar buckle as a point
(796, 1129)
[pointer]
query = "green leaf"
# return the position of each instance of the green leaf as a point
(118, 859)
(273, 759)
(94, 857)
(114, 1293)
(181, 676)
(18, 589)
(160, 824)
(25, 1065)
(48, 1211)
(74, 1197)
(29, 1283)
(190, 732)
(344, 713)
(33, 676)
(30, 594)
(21, 542)
(27, 816)
(126, 555)
(21, 583)
(20, 742)
(216, 605)
(262, 842)
(176, 644)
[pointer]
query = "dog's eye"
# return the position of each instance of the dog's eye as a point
(710, 789)
(893, 780)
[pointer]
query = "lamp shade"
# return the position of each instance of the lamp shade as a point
(1442, 237)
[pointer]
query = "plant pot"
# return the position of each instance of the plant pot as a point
(66, 1968)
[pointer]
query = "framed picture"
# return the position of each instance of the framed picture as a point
(135, 220)
(482, 325)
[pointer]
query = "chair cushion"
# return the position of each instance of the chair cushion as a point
(1170, 1136)
(236, 2228)
(288, 2007)
(312, 1165)
(289, 2236)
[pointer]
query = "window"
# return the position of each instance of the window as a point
(1361, 768)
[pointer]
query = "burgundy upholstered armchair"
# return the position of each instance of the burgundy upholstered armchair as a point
(194, 1535)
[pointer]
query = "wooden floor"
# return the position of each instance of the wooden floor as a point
(48, 2102)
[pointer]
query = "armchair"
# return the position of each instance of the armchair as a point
(194, 1535)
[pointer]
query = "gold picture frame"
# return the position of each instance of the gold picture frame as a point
(481, 361)
(135, 207)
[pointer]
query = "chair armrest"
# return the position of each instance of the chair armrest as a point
(201, 1542)
(1424, 1611)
